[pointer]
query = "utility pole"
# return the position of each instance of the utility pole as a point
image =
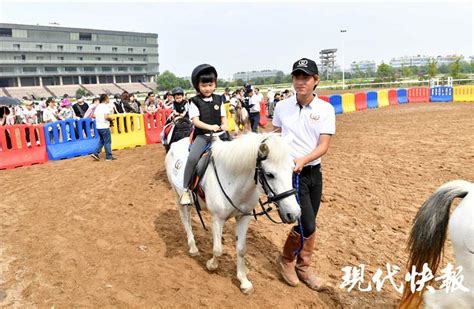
(343, 69)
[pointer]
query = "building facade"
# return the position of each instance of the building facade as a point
(363, 66)
(246, 76)
(408, 61)
(447, 60)
(50, 55)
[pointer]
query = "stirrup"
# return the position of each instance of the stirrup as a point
(185, 199)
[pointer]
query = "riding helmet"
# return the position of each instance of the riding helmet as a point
(200, 70)
(176, 91)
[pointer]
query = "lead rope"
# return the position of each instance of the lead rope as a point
(296, 184)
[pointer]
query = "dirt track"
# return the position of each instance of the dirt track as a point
(95, 234)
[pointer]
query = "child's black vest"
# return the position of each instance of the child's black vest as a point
(209, 112)
(181, 107)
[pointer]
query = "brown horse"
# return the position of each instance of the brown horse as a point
(240, 115)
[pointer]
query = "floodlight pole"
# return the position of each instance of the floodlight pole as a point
(343, 75)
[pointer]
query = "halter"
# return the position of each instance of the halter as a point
(259, 176)
(272, 197)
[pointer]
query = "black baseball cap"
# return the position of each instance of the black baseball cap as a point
(306, 66)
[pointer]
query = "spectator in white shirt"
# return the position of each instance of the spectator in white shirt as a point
(30, 118)
(50, 114)
(254, 104)
(102, 118)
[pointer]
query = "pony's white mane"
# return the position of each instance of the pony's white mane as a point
(241, 153)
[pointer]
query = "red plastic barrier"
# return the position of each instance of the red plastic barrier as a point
(360, 101)
(392, 97)
(154, 125)
(14, 148)
(324, 98)
(263, 119)
(419, 95)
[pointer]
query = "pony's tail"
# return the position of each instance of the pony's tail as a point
(428, 234)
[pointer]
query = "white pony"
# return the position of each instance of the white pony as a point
(264, 157)
(427, 239)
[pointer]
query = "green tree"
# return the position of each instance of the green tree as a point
(465, 67)
(370, 73)
(222, 83)
(385, 72)
(443, 69)
(166, 81)
(454, 69)
(407, 72)
(357, 72)
(287, 79)
(279, 77)
(238, 83)
(184, 83)
(432, 68)
(80, 92)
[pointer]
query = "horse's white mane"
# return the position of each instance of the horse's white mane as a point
(241, 153)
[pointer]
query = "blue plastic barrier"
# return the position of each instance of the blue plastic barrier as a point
(70, 138)
(372, 99)
(336, 102)
(441, 94)
(402, 96)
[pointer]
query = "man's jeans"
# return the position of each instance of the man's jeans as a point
(254, 120)
(105, 140)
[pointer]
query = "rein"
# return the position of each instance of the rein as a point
(259, 177)
(272, 197)
(223, 191)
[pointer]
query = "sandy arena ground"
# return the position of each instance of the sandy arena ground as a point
(100, 234)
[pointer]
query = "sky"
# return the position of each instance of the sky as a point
(250, 36)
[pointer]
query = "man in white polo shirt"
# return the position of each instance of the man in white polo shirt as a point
(309, 122)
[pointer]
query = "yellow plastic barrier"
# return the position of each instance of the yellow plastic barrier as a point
(348, 103)
(463, 93)
(383, 98)
(128, 131)
(230, 118)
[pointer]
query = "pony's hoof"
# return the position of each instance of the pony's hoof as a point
(194, 252)
(211, 266)
(247, 289)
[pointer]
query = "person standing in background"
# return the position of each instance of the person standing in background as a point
(103, 118)
(254, 109)
(30, 117)
(80, 108)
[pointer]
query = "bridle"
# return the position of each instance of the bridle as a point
(260, 176)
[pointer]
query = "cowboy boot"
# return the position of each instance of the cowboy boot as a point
(286, 261)
(304, 261)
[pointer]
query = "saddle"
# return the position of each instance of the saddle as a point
(201, 167)
(174, 130)
(198, 174)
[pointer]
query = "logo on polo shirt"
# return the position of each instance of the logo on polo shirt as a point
(178, 164)
(314, 117)
(303, 63)
(216, 107)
